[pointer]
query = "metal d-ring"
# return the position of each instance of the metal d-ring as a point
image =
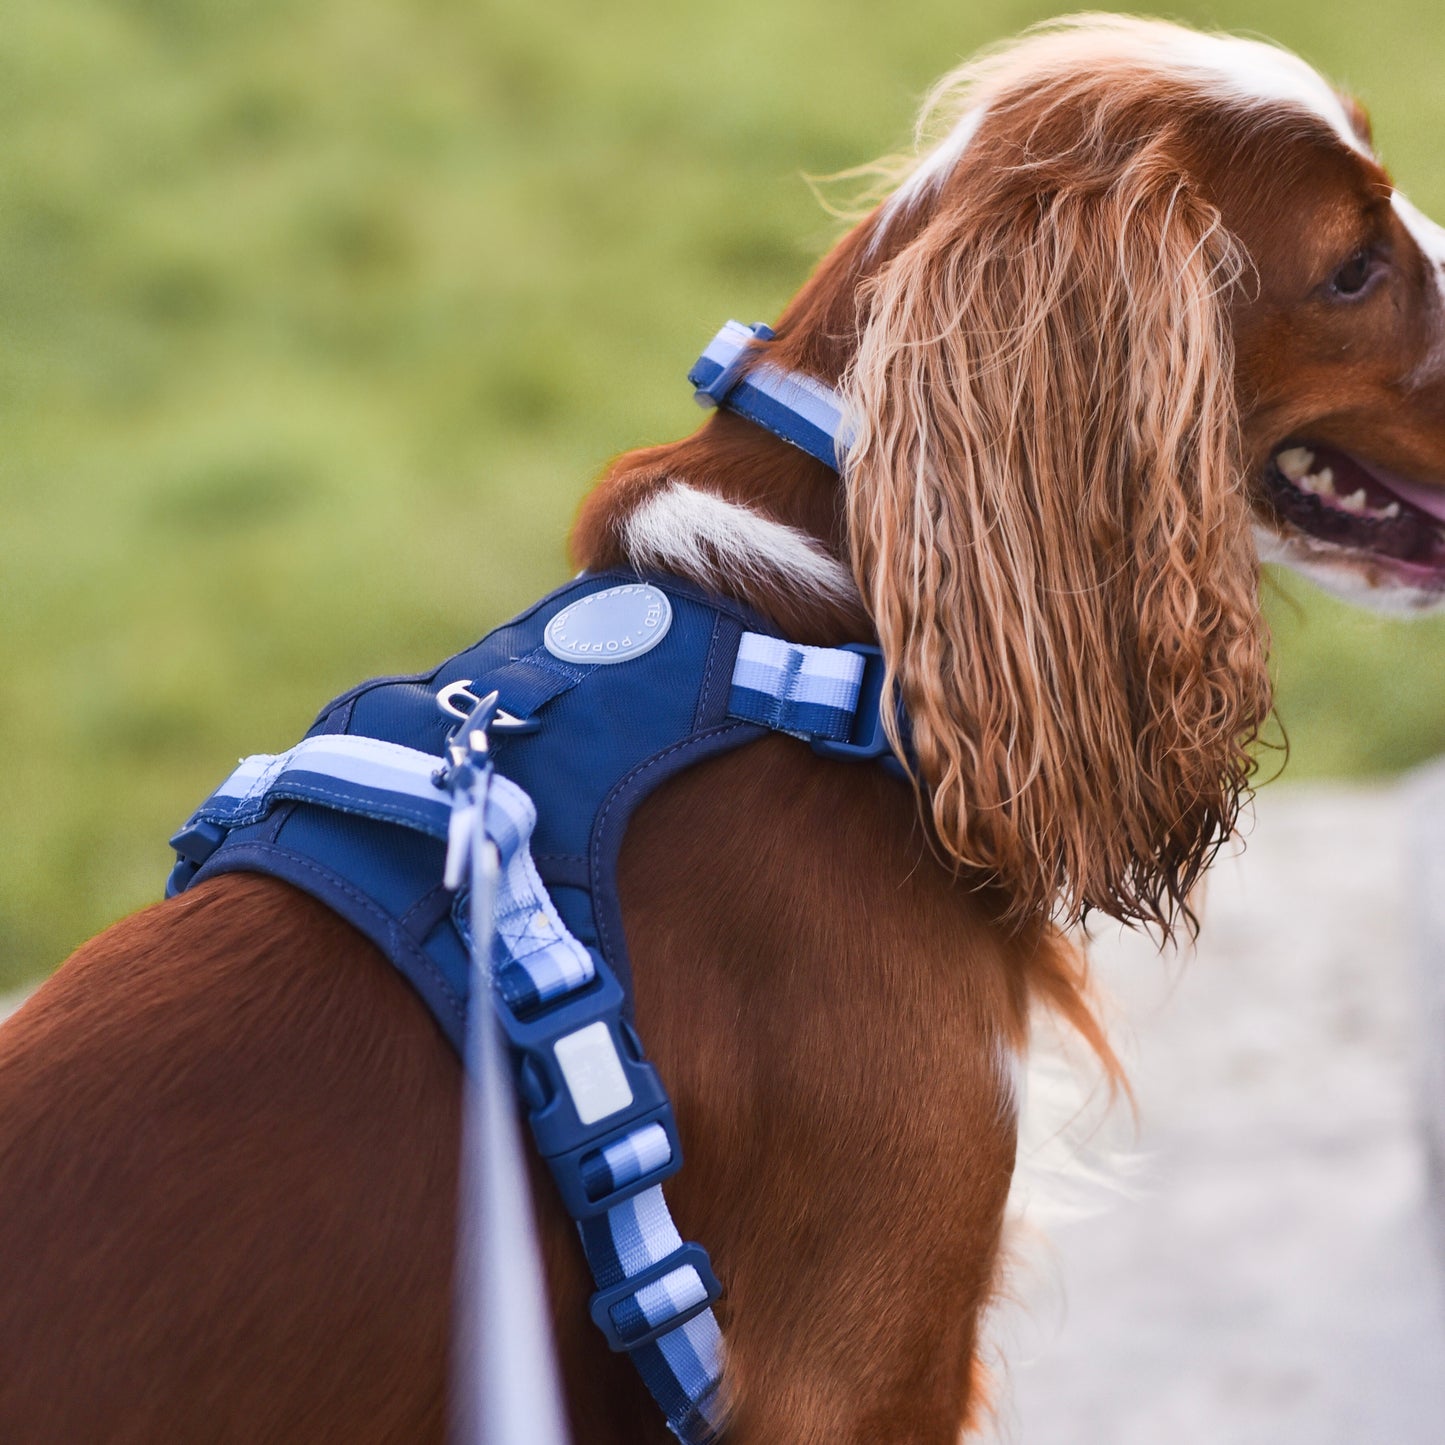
(458, 700)
(455, 693)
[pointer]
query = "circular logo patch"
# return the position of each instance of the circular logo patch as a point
(611, 626)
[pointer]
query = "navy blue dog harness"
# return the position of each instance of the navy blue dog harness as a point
(604, 689)
(356, 816)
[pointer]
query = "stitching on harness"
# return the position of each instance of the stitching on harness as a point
(424, 905)
(704, 696)
(600, 828)
(368, 906)
(416, 815)
(573, 672)
(786, 701)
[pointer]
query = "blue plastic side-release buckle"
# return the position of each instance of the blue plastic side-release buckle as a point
(587, 1086)
(868, 740)
(194, 844)
(662, 1298)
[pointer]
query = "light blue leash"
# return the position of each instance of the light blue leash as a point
(505, 1386)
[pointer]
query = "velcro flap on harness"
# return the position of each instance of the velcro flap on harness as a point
(536, 958)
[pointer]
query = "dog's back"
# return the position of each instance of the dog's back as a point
(228, 1175)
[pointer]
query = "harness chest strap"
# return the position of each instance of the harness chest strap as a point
(597, 1109)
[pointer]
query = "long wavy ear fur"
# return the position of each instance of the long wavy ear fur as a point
(1048, 516)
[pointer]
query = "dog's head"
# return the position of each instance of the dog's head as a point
(1149, 296)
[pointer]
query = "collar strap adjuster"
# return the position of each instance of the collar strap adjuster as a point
(657, 1301)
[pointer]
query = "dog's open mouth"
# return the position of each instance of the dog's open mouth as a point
(1335, 498)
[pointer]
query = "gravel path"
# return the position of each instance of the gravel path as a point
(1272, 1280)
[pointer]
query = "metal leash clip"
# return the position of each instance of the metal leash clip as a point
(466, 776)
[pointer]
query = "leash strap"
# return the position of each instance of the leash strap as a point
(506, 1389)
(792, 405)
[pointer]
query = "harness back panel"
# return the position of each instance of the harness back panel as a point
(600, 737)
(606, 688)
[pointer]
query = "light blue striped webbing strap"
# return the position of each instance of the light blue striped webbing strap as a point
(535, 957)
(810, 692)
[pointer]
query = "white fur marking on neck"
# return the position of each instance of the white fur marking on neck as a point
(932, 170)
(723, 544)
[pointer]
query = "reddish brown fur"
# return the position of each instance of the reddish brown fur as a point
(228, 1130)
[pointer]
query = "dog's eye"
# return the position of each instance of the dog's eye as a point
(1355, 274)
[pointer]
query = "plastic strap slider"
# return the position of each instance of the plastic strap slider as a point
(658, 1300)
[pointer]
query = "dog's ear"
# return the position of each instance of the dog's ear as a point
(1050, 529)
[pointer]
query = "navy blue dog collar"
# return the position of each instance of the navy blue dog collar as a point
(792, 405)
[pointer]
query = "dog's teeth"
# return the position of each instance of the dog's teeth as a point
(1390, 512)
(1295, 462)
(1355, 502)
(1317, 484)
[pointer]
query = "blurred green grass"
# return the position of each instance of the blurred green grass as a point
(318, 319)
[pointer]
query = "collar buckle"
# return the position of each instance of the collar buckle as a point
(716, 371)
